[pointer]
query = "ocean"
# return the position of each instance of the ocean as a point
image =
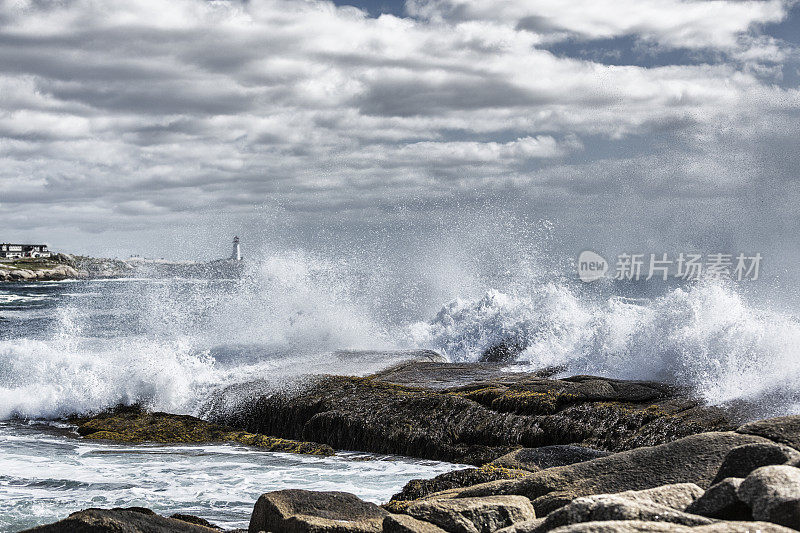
(170, 344)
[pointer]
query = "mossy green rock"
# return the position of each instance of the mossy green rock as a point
(467, 413)
(136, 425)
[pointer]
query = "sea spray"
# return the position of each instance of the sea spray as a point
(703, 335)
(171, 343)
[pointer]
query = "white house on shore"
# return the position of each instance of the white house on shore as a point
(16, 251)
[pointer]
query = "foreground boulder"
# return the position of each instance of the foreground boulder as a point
(638, 526)
(468, 413)
(742, 460)
(132, 424)
(694, 459)
(615, 507)
(773, 494)
(130, 520)
(721, 501)
(474, 515)
(400, 523)
(303, 511)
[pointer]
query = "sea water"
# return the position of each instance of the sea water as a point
(172, 344)
(45, 474)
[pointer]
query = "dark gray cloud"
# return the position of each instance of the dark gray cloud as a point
(147, 115)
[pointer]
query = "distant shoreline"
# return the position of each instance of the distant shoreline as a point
(64, 266)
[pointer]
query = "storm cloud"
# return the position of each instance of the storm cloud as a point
(148, 114)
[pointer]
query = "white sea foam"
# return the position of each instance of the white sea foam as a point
(44, 476)
(171, 343)
(705, 336)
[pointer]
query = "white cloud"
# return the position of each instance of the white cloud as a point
(671, 23)
(117, 108)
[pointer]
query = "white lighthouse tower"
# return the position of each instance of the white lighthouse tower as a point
(237, 253)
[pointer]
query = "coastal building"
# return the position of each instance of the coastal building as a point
(16, 251)
(237, 253)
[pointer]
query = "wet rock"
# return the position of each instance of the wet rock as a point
(742, 460)
(130, 520)
(419, 488)
(303, 511)
(485, 417)
(400, 523)
(783, 430)
(615, 507)
(474, 515)
(456, 376)
(194, 520)
(503, 352)
(721, 501)
(694, 459)
(132, 424)
(773, 494)
(535, 459)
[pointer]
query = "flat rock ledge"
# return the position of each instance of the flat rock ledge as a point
(134, 425)
(673, 486)
(468, 413)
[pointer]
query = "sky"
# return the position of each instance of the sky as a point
(164, 128)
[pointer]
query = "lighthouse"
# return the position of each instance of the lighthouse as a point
(237, 253)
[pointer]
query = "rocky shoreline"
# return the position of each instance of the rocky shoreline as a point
(580, 454)
(64, 266)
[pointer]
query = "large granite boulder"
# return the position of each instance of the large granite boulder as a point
(694, 459)
(773, 494)
(466, 413)
(474, 515)
(303, 511)
(130, 520)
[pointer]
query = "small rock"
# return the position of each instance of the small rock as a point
(400, 523)
(544, 457)
(194, 520)
(742, 527)
(742, 460)
(303, 511)
(474, 515)
(677, 496)
(527, 526)
(604, 507)
(721, 501)
(419, 488)
(503, 352)
(130, 520)
(624, 526)
(773, 493)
